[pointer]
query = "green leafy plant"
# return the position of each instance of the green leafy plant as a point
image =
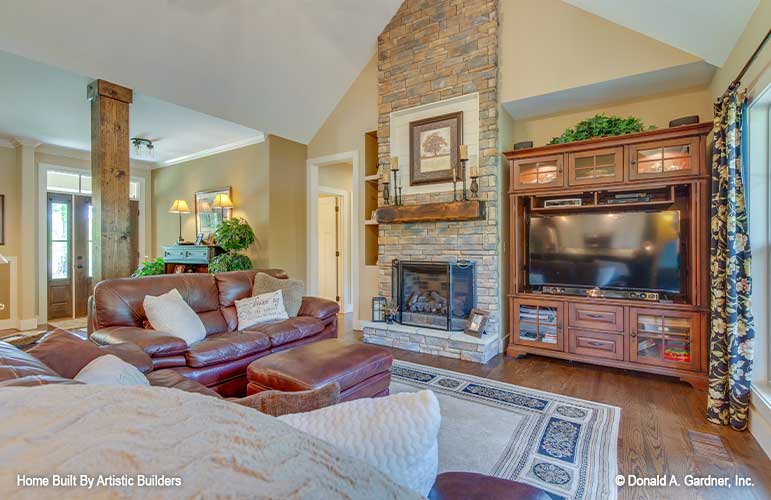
(233, 235)
(601, 126)
(149, 268)
(229, 262)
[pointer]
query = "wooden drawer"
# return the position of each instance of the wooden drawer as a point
(597, 344)
(173, 254)
(596, 317)
(197, 255)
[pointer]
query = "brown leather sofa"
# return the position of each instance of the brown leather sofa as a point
(116, 315)
(22, 369)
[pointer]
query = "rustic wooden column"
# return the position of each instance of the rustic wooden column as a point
(110, 179)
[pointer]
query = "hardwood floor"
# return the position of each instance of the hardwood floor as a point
(657, 414)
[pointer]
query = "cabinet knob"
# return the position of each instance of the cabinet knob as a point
(634, 333)
(633, 162)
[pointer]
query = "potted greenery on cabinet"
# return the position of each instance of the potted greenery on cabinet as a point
(233, 235)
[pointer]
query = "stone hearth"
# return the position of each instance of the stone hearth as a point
(429, 341)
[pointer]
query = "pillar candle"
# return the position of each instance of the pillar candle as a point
(394, 163)
(475, 171)
(384, 178)
(463, 152)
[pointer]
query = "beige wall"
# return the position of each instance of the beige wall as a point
(548, 45)
(338, 176)
(344, 129)
(657, 111)
(268, 183)
(10, 180)
(754, 32)
(287, 246)
(244, 169)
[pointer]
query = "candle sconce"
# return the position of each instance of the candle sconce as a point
(474, 187)
(463, 177)
(396, 182)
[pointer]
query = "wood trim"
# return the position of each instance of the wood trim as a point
(618, 166)
(597, 344)
(108, 89)
(515, 182)
(560, 326)
(596, 317)
(694, 144)
(694, 338)
(699, 129)
(431, 212)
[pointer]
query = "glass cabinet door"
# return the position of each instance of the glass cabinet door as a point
(537, 172)
(539, 323)
(664, 158)
(665, 338)
(596, 166)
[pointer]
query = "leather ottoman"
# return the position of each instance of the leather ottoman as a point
(362, 370)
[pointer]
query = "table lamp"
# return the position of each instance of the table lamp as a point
(179, 207)
(222, 201)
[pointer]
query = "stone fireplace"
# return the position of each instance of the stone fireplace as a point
(436, 58)
(436, 295)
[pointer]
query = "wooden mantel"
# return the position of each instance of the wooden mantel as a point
(431, 212)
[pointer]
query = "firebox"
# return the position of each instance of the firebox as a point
(437, 295)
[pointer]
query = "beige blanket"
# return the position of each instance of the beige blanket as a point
(212, 448)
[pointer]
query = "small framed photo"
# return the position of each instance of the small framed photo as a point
(198, 238)
(476, 323)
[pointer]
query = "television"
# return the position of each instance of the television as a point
(631, 251)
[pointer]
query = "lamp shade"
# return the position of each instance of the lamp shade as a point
(179, 207)
(222, 201)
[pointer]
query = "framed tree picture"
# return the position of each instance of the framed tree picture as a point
(434, 148)
(207, 215)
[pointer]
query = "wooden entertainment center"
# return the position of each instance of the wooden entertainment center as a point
(649, 171)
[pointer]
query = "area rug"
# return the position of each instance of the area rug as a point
(563, 445)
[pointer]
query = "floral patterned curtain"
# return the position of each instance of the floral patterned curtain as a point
(732, 327)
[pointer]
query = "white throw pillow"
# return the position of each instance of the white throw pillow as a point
(396, 434)
(260, 309)
(169, 313)
(111, 370)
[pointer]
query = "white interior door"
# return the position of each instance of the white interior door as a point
(329, 252)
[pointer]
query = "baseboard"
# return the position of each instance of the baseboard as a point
(28, 324)
(760, 417)
(358, 325)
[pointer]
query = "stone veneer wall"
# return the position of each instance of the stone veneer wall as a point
(434, 50)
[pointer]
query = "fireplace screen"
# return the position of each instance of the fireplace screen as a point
(434, 294)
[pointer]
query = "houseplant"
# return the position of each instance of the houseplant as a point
(149, 268)
(601, 126)
(233, 235)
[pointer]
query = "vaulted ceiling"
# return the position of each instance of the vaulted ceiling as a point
(278, 66)
(705, 28)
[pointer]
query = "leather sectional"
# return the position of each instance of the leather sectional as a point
(116, 316)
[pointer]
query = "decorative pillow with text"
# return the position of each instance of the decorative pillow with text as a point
(260, 309)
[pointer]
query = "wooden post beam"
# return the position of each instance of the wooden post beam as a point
(110, 177)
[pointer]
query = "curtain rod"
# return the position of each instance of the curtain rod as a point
(749, 62)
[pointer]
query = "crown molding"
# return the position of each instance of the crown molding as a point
(25, 141)
(5, 143)
(212, 151)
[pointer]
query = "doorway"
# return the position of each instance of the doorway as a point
(70, 253)
(330, 226)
